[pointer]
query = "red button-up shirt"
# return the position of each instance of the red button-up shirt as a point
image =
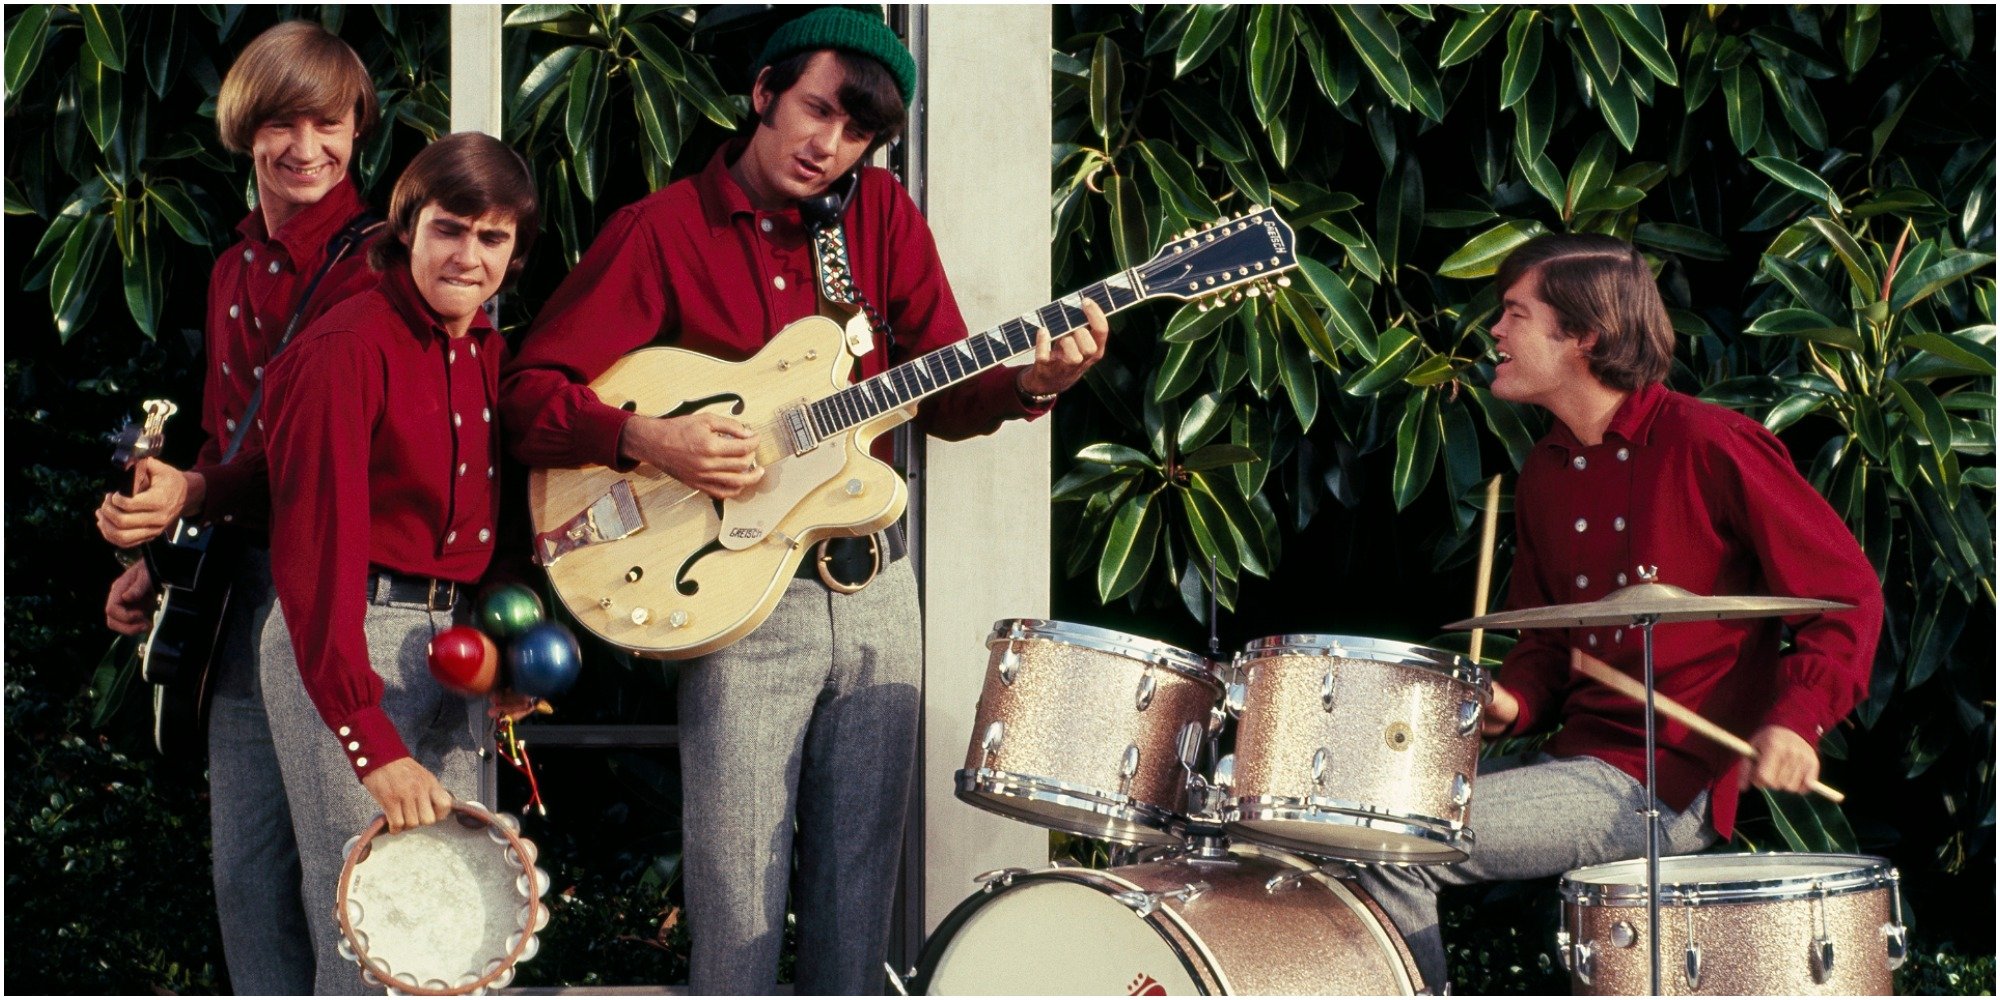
(697, 265)
(383, 444)
(1711, 498)
(252, 293)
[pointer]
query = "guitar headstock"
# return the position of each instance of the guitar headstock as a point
(1240, 255)
(136, 441)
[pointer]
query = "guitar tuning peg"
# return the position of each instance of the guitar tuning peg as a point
(1253, 291)
(1284, 281)
(1201, 305)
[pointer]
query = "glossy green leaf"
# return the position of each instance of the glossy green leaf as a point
(1936, 278)
(144, 274)
(102, 93)
(1301, 382)
(1107, 88)
(1926, 415)
(703, 91)
(659, 51)
(70, 298)
(1417, 434)
(1219, 133)
(1117, 456)
(1480, 257)
(1164, 32)
(1086, 480)
(1270, 60)
(654, 104)
(1206, 416)
(1177, 180)
(1250, 426)
(1797, 104)
(1859, 34)
(1743, 98)
(1503, 419)
(1209, 527)
(1684, 240)
(1241, 519)
(1129, 547)
(1192, 322)
(1805, 325)
(1955, 27)
(1592, 169)
(1470, 34)
(1208, 29)
(1305, 321)
(104, 33)
(26, 40)
(171, 198)
(587, 89)
(1524, 57)
(1946, 356)
(1600, 40)
(549, 77)
(1799, 179)
(1639, 27)
(1400, 351)
(1380, 47)
(1217, 456)
(1613, 198)
(1459, 441)
(1350, 315)
(1181, 368)
(1436, 369)
(1128, 221)
(1399, 215)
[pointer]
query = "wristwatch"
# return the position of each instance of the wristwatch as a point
(1033, 401)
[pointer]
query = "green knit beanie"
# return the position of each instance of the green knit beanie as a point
(848, 29)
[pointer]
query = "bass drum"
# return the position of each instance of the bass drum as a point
(1249, 920)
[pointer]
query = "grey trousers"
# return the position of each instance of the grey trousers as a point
(813, 716)
(1534, 816)
(265, 939)
(444, 732)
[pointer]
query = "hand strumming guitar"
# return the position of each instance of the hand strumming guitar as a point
(129, 608)
(712, 453)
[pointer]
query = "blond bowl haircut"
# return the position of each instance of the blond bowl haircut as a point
(294, 68)
(1600, 284)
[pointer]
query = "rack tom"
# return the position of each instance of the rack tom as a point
(1088, 730)
(1356, 748)
(1736, 925)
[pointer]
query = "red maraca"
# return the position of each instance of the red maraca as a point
(464, 660)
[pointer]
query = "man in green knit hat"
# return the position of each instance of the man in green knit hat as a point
(809, 723)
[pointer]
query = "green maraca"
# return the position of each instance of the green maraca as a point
(509, 610)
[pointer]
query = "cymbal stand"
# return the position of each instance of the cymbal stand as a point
(1652, 810)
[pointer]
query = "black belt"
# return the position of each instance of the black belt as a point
(848, 563)
(397, 590)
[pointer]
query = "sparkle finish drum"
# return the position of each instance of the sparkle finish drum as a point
(1088, 730)
(1357, 748)
(1249, 921)
(1736, 925)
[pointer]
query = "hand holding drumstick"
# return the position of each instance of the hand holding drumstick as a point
(1776, 760)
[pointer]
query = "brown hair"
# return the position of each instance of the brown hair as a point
(468, 174)
(867, 92)
(1600, 284)
(294, 68)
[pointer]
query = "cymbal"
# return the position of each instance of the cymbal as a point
(1662, 602)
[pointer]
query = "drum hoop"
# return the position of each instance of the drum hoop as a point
(1864, 872)
(360, 851)
(1092, 878)
(1123, 644)
(1354, 815)
(1389, 651)
(1091, 800)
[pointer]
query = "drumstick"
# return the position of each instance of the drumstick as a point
(1605, 674)
(1485, 563)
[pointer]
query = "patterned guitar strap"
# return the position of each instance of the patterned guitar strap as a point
(840, 299)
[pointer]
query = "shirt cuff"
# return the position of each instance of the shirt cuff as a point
(598, 428)
(1800, 715)
(227, 486)
(369, 740)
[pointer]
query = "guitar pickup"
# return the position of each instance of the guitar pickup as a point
(610, 518)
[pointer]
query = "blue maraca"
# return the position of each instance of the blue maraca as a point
(543, 660)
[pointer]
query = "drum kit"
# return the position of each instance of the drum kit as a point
(1239, 867)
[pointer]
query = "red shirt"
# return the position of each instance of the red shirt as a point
(252, 293)
(1710, 497)
(695, 264)
(383, 447)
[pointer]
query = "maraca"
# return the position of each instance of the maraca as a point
(507, 611)
(543, 661)
(464, 660)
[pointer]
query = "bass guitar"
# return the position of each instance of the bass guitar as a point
(194, 567)
(661, 570)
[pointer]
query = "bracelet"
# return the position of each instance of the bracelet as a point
(1033, 401)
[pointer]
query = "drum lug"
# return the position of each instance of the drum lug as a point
(1234, 695)
(1142, 903)
(1286, 880)
(990, 743)
(1822, 959)
(1468, 717)
(1319, 767)
(1461, 789)
(1693, 966)
(1326, 691)
(1190, 745)
(1128, 768)
(1584, 965)
(1225, 777)
(1002, 877)
(1010, 666)
(1147, 685)
(1562, 947)
(1897, 941)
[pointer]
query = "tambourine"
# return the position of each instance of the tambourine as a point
(441, 910)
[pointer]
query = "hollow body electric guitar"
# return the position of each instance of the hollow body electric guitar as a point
(661, 570)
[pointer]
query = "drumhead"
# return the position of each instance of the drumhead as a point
(1052, 935)
(1356, 647)
(1720, 878)
(1105, 640)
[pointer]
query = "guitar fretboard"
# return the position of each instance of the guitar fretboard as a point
(947, 366)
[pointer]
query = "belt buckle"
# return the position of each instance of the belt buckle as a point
(431, 598)
(823, 557)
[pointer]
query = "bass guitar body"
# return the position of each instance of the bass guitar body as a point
(661, 570)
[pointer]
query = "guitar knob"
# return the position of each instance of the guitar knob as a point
(854, 487)
(640, 616)
(677, 619)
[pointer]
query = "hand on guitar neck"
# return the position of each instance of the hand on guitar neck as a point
(713, 453)
(1060, 365)
(161, 495)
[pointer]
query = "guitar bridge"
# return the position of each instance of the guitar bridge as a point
(610, 518)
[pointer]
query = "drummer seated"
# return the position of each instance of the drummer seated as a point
(1632, 479)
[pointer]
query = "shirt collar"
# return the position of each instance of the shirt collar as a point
(304, 236)
(401, 290)
(722, 199)
(1633, 422)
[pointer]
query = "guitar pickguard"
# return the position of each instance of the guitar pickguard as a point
(749, 520)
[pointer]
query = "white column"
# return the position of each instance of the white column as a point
(475, 68)
(984, 507)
